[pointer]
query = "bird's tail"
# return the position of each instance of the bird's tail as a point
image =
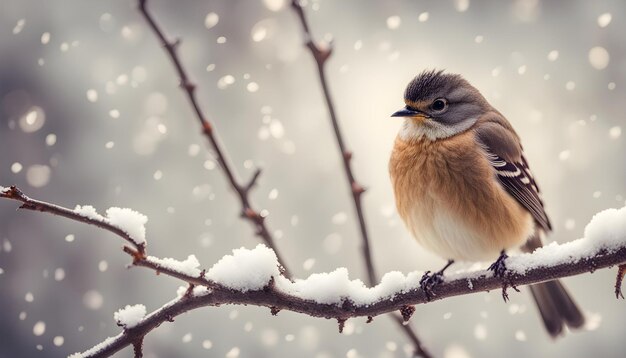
(556, 306)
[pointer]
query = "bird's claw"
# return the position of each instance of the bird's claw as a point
(428, 282)
(500, 270)
(499, 266)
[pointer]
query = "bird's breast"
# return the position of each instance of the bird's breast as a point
(448, 197)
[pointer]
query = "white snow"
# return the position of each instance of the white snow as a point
(97, 348)
(125, 219)
(130, 316)
(110, 340)
(252, 269)
(197, 291)
(130, 221)
(88, 211)
(334, 287)
(190, 266)
(605, 231)
(246, 270)
(4, 190)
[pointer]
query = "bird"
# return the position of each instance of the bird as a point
(463, 187)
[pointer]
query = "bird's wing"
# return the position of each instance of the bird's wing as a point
(505, 154)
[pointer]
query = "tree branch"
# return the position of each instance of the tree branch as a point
(321, 55)
(28, 203)
(275, 299)
(189, 88)
(137, 252)
(279, 293)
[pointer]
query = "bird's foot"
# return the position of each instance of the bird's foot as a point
(500, 270)
(429, 281)
(499, 266)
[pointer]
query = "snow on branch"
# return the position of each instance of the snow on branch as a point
(126, 223)
(130, 316)
(252, 277)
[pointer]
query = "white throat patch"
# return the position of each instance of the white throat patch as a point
(432, 130)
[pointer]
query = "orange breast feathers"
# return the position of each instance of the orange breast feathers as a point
(450, 200)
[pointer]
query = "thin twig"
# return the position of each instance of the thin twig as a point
(321, 55)
(28, 203)
(137, 252)
(208, 129)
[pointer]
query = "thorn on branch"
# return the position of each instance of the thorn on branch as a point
(251, 214)
(321, 52)
(253, 180)
(369, 319)
(407, 311)
(357, 189)
(342, 323)
(274, 310)
(188, 85)
(207, 128)
(621, 271)
(347, 155)
(137, 255)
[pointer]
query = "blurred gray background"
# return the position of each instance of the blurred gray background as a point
(90, 113)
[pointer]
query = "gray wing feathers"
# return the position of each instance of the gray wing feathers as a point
(505, 154)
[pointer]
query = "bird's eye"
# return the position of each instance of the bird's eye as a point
(439, 104)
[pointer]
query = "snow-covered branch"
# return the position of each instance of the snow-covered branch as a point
(253, 277)
(125, 223)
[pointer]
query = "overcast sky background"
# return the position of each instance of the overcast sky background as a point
(90, 113)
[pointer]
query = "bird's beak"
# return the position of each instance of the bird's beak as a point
(409, 112)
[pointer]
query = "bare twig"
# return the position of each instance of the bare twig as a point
(242, 190)
(321, 55)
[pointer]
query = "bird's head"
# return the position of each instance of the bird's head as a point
(439, 105)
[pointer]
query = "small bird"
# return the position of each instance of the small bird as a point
(464, 189)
